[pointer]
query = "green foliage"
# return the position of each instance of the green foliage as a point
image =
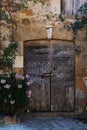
(8, 58)
(61, 18)
(79, 25)
(14, 92)
(83, 9)
(81, 21)
(3, 15)
(35, 1)
(24, 2)
(78, 50)
(22, 5)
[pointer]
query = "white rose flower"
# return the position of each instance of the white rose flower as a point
(3, 81)
(12, 102)
(19, 85)
(7, 86)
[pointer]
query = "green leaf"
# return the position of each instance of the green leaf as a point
(8, 58)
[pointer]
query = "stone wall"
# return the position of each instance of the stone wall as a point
(31, 24)
(34, 32)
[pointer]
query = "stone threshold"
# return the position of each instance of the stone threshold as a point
(54, 114)
(24, 117)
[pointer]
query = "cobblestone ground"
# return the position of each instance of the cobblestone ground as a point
(48, 123)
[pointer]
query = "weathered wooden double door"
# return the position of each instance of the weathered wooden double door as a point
(51, 66)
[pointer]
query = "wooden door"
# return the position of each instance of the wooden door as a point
(37, 65)
(51, 65)
(62, 81)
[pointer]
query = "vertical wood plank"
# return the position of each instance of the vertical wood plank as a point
(62, 82)
(36, 65)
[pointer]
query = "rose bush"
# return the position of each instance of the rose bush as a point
(15, 92)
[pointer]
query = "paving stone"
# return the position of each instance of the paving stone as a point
(48, 123)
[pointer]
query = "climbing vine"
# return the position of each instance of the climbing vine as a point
(81, 21)
(79, 24)
(8, 58)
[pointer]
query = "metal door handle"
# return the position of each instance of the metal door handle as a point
(46, 75)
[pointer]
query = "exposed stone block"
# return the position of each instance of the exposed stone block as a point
(81, 59)
(18, 62)
(61, 33)
(30, 33)
(18, 70)
(81, 35)
(20, 49)
(81, 95)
